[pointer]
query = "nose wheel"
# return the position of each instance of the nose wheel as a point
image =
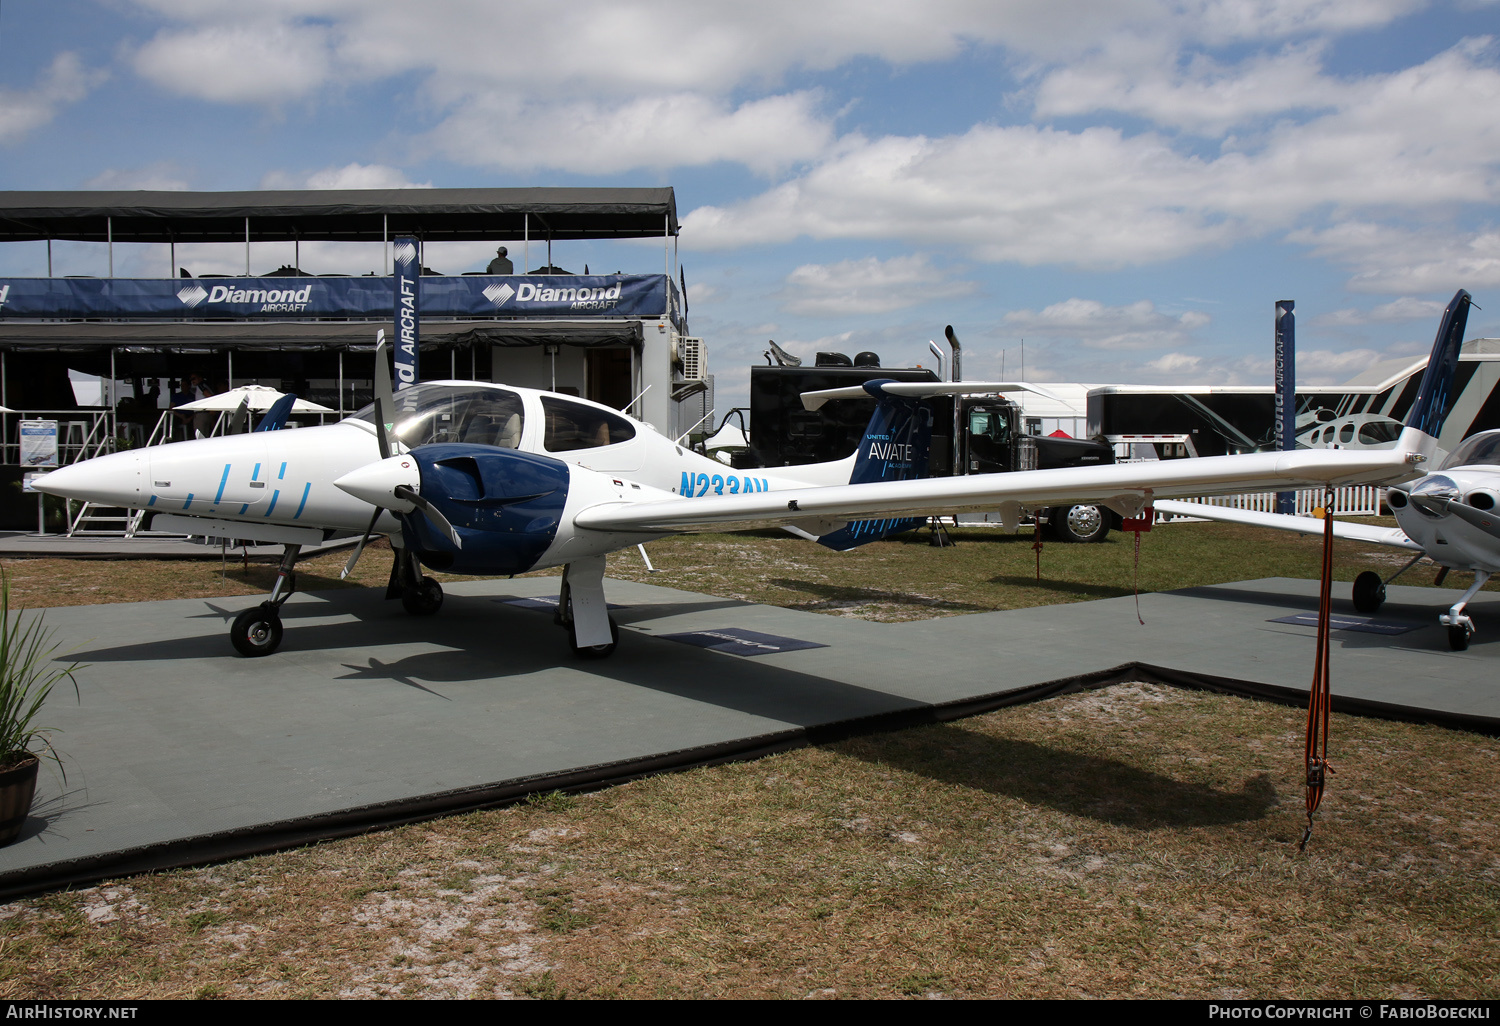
(1459, 635)
(424, 598)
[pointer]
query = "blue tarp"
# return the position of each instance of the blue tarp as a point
(521, 295)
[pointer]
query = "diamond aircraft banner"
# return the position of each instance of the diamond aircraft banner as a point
(305, 298)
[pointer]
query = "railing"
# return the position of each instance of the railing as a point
(1349, 501)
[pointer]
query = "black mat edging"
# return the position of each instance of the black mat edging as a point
(294, 833)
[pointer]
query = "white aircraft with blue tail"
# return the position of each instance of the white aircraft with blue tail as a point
(475, 478)
(1449, 516)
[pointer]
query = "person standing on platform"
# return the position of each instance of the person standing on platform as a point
(501, 264)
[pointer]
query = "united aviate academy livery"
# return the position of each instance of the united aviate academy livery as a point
(474, 478)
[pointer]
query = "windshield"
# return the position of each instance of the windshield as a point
(476, 414)
(1481, 450)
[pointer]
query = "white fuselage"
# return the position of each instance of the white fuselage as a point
(287, 477)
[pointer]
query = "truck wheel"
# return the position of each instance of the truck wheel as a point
(1079, 523)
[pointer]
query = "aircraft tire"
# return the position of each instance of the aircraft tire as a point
(424, 599)
(256, 631)
(1458, 637)
(594, 651)
(1082, 523)
(1369, 592)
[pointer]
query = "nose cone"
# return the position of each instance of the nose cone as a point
(376, 483)
(115, 480)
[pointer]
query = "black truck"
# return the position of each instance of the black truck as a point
(782, 433)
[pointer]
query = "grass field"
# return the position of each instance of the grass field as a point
(1134, 841)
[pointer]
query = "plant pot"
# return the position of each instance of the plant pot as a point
(17, 786)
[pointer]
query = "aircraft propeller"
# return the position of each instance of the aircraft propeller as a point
(388, 487)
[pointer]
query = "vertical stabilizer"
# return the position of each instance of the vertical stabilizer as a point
(1435, 395)
(896, 447)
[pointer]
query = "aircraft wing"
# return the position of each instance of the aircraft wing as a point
(1368, 533)
(1122, 486)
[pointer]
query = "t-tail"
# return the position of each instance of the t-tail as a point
(896, 447)
(1435, 395)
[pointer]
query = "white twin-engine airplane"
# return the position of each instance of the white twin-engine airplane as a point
(474, 478)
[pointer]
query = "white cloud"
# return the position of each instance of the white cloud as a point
(1387, 259)
(1414, 142)
(257, 61)
(162, 176)
(1031, 195)
(65, 81)
(1327, 367)
(869, 285)
(350, 176)
(1136, 326)
(654, 131)
(1203, 96)
(1407, 308)
(1176, 363)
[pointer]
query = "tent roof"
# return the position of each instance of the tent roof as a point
(348, 215)
(255, 397)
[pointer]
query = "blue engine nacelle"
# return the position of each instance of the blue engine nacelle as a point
(505, 505)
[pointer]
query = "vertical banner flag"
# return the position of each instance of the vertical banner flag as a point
(407, 282)
(1286, 392)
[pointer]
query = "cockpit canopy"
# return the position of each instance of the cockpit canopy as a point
(433, 413)
(1481, 450)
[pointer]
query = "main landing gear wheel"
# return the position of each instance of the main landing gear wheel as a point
(1458, 636)
(1369, 592)
(594, 651)
(257, 630)
(1079, 523)
(424, 599)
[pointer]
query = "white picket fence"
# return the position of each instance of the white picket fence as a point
(1350, 501)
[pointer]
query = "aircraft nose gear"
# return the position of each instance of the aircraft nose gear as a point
(257, 631)
(420, 596)
(1460, 627)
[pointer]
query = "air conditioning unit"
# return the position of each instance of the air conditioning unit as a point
(694, 360)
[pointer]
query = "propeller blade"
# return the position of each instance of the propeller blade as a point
(430, 511)
(349, 566)
(241, 417)
(385, 397)
(1486, 520)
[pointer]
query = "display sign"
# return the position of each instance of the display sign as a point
(38, 443)
(480, 295)
(406, 299)
(1286, 392)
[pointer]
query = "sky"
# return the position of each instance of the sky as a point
(1119, 189)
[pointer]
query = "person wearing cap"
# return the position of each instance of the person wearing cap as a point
(501, 264)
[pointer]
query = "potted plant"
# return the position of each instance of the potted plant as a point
(28, 672)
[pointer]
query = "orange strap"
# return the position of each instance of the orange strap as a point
(1319, 699)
